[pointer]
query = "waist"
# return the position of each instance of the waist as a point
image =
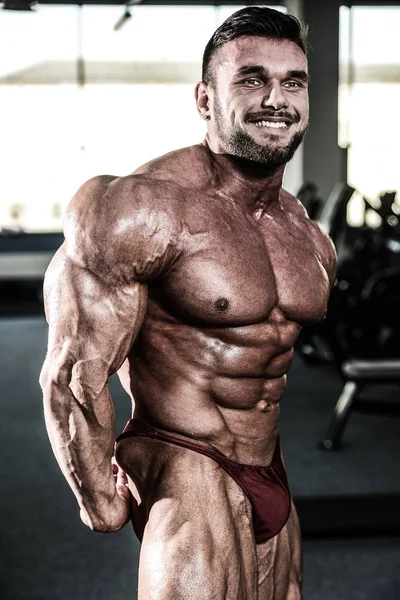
(240, 435)
(135, 427)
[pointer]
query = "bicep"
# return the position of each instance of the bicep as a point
(92, 325)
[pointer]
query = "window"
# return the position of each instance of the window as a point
(369, 95)
(134, 100)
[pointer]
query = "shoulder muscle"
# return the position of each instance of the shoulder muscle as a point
(123, 229)
(325, 249)
(323, 243)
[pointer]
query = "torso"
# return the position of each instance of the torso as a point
(211, 358)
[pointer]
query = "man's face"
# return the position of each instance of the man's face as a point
(259, 99)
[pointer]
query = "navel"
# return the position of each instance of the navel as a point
(221, 304)
(263, 405)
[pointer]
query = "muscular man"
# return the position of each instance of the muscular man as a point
(191, 278)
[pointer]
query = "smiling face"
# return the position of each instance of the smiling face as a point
(258, 100)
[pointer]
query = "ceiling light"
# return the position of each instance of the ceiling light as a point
(18, 5)
(123, 19)
(126, 15)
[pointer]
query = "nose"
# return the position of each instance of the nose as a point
(275, 98)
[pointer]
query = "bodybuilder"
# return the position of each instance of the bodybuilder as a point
(191, 278)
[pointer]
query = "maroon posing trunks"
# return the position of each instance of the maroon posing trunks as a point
(266, 487)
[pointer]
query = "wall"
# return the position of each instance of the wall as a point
(323, 162)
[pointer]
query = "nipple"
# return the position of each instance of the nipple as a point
(221, 304)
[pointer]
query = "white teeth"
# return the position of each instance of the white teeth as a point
(275, 124)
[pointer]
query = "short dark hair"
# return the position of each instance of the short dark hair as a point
(256, 21)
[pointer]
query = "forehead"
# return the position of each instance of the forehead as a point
(274, 55)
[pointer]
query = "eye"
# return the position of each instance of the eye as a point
(292, 84)
(253, 81)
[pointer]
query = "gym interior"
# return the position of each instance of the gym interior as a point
(79, 85)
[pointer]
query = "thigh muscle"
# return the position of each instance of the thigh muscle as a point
(280, 563)
(198, 542)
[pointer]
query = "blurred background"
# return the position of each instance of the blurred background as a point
(101, 87)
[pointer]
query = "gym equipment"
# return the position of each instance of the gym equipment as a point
(372, 330)
(332, 218)
(308, 196)
(362, 309)
(361, 333)
(359, 373)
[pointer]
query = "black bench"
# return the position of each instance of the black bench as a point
(358, 373)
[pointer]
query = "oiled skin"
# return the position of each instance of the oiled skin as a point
(191, 278)
(228, 365)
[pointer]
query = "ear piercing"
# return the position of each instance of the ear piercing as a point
(206, 117)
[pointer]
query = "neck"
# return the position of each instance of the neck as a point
(245, 182)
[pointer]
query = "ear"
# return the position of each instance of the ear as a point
(202, 98)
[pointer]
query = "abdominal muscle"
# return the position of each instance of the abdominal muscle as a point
(219, 387)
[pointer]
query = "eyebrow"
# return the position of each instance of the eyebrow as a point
(248, 69)
(293, 74)
(297, 74)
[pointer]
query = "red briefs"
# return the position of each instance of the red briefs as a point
(266, 487)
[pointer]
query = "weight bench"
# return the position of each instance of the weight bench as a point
(358, 374)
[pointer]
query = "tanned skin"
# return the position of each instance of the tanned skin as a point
(191, 278)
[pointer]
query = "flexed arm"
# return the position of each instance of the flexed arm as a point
(95, 306)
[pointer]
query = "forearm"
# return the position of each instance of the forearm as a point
(82, 437)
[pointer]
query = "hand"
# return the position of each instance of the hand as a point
(121, 482)
(123, 499)
(136, 512)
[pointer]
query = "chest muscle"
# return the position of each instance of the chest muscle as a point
(239, 273)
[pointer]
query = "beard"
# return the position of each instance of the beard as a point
(241, 145)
